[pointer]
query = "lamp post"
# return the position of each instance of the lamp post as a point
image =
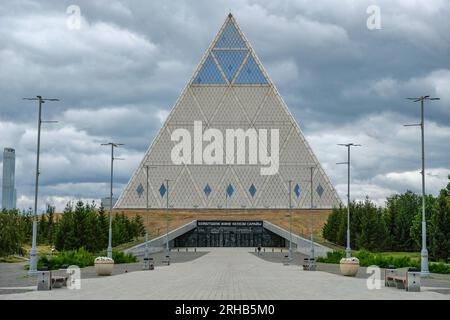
(290, 221)
(312, 215)
(348, 251)
(33, 252)
(424, 251)
(113, 145)
(167, 220)
(146, 254)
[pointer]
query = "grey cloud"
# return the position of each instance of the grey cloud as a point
(122, 72)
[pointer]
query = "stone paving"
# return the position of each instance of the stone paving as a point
(436, 282)
(14, 278)
(227, 273)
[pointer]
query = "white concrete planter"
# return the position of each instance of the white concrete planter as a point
(349, 266)
(104, 266)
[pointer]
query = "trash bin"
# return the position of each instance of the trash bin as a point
(151, 264)
(44, 280)
(309, 264)
(146, 264)
(413, 280)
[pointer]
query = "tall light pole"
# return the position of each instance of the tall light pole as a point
(312, 215)
(33, 252)
(424, 251)
(348, 251)
(146, 254)
(113, 145)
(167, 220)
(290, 221)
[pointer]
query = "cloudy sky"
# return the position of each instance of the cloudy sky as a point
(120, 73)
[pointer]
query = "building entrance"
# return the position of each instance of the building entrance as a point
(229, 234)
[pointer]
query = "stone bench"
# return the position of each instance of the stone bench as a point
(409, 280)
(59, 281)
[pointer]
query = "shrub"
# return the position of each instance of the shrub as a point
(332, 257)
(120, 257)
(367, 258)
(80, 258)
(439, 267)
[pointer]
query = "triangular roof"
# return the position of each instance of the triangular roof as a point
(230, 89)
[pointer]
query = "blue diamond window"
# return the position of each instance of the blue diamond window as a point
(319, 190)
(252, 190)
(209, 73)
(162, 190)
(207, 190)
(140, 190)
(230, 38)
(250, 73)
(230, 61)
(230, 190)
(297, 190)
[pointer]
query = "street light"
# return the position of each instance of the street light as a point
(424, 251)
(312, 215)
(113, 145)
(33, 252)
(348, 251)
(290, 221)
(146, 254)
(167, 220)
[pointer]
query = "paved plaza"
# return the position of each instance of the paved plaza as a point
(227, 273)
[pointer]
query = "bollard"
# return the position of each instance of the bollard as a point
(151, 264)
(44, 280)
(146, 264)
(413, 280)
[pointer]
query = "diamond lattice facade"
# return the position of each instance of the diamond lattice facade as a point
(230, 90)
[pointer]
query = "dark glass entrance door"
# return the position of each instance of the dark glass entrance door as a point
(229, 236)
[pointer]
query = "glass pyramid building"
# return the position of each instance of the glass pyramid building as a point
(230, 89)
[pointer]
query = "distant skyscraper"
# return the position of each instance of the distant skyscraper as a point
(9, 169)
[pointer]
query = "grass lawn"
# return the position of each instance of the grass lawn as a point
(42, 249)
(127, 245)
(412, 255)
(11, 259)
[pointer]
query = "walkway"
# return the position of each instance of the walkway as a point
(226, 273)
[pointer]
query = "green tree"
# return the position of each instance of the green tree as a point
(103, 227)
(440, 225)
(42, 229)
(331, 226)
(11, 238)
(65, 238)
(138, 226)
(402, 208)
(50, 224)
(372, 228)
(26, 225)
(416, 225)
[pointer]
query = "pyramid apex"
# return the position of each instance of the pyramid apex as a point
(230, 15)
